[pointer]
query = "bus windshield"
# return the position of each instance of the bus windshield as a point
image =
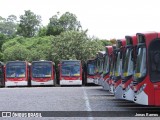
(41, 69)
(70, 70)
(141, 63)
(118, 65)
(106, 64)
(91, 68)
(15, 70)
(128, 63)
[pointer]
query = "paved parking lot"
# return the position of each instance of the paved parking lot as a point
(68, 99)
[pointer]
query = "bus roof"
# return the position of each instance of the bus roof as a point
(69, 60)
(16, 61)
(42, 61)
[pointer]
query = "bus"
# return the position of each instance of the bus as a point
(43, 73)
(146, 83)
(91, 70)
(100, 59)
(70, 72)
(17, 73)
(2, 75)
(112, 71)
(107, 66)
(120, 45)
(128, 66)
(97, 76)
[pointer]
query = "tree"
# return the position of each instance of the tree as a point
(29, 24)
(74, 45)
(42, 31)
(54, 27)
(35, 48)
(8, 26)
(113, 41)
(67, 45)
(69, 22)
(106, 42)
(16, 52)
(58, 24)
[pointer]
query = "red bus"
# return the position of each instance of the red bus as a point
(70, 72)
(128, 66)
(2, 75)
(120, 45)
(43, 73)
(17, 73)
(111, 73)
(107, 66)
(97, 75)
(99, 62)
(146, 82)
(91, 70)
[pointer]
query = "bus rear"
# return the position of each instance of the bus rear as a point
(70, 72)
(42, 73)
(17, 73)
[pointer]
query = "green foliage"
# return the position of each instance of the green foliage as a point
(35, 48)
(8, 26)
(54, 27)
(105, 42)
(42, 31)
(113, 41)
(67, 21)
(29, 24)
(1, 56)
(74, 45)
(3, 38)
(68, 45)
(61, 39)
(16, 52)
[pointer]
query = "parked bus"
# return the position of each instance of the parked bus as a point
(17, 73)
(147, 73)
(97, 75)
(128, 65)
(43, 73)
(91, 70)
(2, 75)
(70, 72)
(107, 66)
(100, 60)
(112, 71)
(120, 45)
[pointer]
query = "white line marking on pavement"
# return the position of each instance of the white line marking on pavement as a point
(87, 104)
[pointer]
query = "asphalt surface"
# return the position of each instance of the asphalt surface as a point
(89, 98)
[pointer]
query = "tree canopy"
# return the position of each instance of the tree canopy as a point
(8, 26)
(58, 24)
(29, 24)
(62, 38)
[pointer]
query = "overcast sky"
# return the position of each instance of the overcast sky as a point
(104, 19)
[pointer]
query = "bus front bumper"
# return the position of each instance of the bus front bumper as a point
(16, 83)
(70, 82)
(50, 82)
